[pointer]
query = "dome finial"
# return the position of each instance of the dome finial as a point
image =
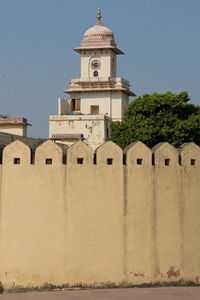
(99, 16)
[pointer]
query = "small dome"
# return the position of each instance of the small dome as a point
(98, 29)
(98, 32)
(98, 36)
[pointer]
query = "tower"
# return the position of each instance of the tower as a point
(98, 97)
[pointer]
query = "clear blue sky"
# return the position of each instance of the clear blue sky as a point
(160, 38)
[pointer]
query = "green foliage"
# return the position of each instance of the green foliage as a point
(157, 118)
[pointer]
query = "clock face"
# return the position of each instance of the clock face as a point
(96, 64)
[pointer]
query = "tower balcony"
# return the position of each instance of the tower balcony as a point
(88, 81)
(98, 83)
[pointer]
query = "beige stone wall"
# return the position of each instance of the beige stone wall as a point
(166, 197)
(102, 99)
(96, 219)
(64, 107)
(190, 210)
(93, 127)
(119, 102)
(138, 214)
(14, 129)
(32, 220)
(104, 56)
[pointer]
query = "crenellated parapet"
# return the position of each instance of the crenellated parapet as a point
(136, 154)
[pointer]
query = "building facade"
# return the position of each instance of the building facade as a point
(16, 126)
(98, 97)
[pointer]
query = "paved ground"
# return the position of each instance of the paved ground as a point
(174, 293)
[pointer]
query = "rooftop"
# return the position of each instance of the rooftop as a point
(21, 121)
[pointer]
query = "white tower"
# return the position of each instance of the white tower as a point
(98, 97)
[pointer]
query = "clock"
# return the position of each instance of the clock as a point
(96, 64)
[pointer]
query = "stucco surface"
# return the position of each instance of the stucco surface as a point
(138, 186)
(105, 58)
(109, 216)
(17, 129)
(93, 127)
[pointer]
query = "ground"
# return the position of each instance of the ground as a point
(169, 293)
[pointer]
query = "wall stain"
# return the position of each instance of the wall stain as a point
(181, 215)
(156, 267)
(125, 178)
(173, 273)
(125, 189)
(1, 190)
(65, 191)
(139, 274)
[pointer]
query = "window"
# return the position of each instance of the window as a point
(193, 162)
(75, 104)
(80, 160)
(48, 161)
(167, 160)
(124, 159)
(94, 109)
(95, 74)
(139, 161)
(16, 161)
(109, 161)
(153, 159)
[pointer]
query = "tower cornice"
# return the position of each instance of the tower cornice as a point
(93, 47)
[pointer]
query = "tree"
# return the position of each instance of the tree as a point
(158, 118)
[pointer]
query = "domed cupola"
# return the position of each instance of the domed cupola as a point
(98, 36)
(99, 32)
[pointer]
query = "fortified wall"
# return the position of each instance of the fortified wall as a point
(110, 217)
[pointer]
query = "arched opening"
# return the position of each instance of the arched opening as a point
(95, 74)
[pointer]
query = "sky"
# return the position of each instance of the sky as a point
(160, 38)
